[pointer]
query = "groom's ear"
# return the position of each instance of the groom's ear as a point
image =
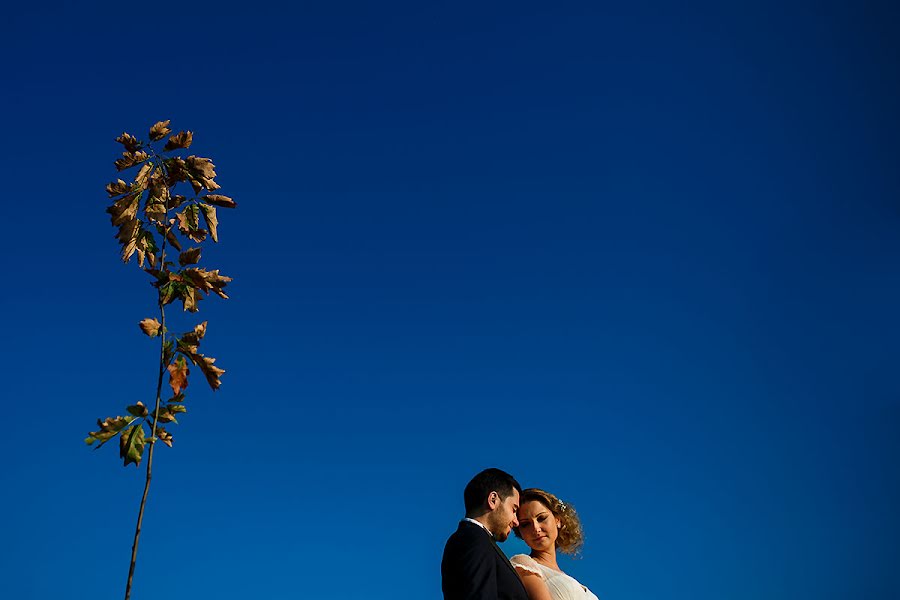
(493, 500)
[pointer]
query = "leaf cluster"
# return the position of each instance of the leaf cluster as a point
(141, 207)
(167, 203)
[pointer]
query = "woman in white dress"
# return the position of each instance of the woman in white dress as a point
(548, 525)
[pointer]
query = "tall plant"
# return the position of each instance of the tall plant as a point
(153, 221)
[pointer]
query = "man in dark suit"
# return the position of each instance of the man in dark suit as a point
(474, 567)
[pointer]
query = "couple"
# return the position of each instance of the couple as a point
(474, 567)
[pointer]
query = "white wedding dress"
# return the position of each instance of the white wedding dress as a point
(562, 586)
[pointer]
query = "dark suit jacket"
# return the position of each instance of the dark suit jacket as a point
(474, 568)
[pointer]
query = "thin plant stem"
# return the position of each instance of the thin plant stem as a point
(152, 442)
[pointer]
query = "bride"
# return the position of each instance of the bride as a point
(547, 524)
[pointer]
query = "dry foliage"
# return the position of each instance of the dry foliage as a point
(158, 208)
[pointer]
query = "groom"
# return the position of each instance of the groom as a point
(474, 567)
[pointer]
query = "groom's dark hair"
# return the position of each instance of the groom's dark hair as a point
(489, 480)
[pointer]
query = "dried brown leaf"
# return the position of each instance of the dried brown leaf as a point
(151, 327)
(201, 173)
(176, 169)
(144, 245)
(142, 179)
(160, 130)
(212, 372)
(206, 281)
(170, 236)
(189, 342)
(129, 159)
(212, 223)
(117, 188)
(189, 299)
(178, 375)
(158, 190)
(182, 139)
(197, 235)
(124, 209)
(176, 201)
(128, 235)
(207, 365)
(219, 200)
(188, 219)
(191, 256)
(155, 211)
(130, 142)
(199, 166)
(164, 436)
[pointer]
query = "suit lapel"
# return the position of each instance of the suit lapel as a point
(500, 554)
(503, 557)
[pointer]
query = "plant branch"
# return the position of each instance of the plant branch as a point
(159, 382)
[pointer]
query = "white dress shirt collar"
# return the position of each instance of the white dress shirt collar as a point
(480, 524)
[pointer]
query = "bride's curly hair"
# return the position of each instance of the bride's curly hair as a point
(571, 536)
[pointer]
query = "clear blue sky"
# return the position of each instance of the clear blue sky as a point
(644, 255)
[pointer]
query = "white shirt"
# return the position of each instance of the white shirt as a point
(480, 524)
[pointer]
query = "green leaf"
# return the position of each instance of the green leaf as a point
(168, 352)
(167, 293)
(131, 445)
(109, 427)
(138, 410)
(166, 417)
(167, 413)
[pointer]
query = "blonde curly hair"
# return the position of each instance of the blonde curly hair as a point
(571, 536)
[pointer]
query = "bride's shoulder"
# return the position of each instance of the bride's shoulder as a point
(526, 563)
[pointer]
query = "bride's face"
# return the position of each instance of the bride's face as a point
(537, 525)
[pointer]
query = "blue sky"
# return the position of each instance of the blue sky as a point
(644, 256)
